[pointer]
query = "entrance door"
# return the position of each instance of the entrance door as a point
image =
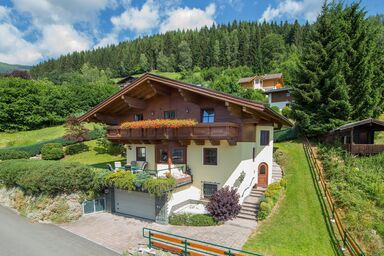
(262, 179)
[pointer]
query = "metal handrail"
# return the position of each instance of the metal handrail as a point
(247, 187)
(185, 245)
(347, 240)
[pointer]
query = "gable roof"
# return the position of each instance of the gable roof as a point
(272, 76)
(258, 107)
(246, 79)
(369, 121)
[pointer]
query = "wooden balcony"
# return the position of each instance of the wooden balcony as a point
(364, 149)
(213, 132)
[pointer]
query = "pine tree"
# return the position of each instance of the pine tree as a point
(184, 56)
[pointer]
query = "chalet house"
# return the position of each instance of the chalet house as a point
(264, 82)
(279, 97)
(358, 137)
(231, 144)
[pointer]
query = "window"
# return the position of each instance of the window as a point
(138, 117)
(264, 138)
(163, 155)
(209, 189)
(169, 114)
(210, 156)
(262, 169)
(207, 116)
(288, 94)
(178, 155)
(141, 154)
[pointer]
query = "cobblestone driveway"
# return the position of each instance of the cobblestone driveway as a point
(121, 233)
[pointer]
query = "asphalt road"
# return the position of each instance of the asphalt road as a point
(19, 237)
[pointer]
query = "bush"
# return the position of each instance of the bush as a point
(286, 111)
(120, 179)
(76, 148)
(13, 154)
(224, 204)
(52, 151)
(140, 178)
(46, 177)
(271, 196)
(187, 219)
(159, 186)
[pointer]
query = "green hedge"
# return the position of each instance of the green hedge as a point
(52, 151)
(146, 183)
(13, 154)
(76, 148)
(286, 134)
(187, 219)
(271, 196)
(47, 177)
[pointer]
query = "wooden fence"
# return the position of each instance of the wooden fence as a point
(346, 242)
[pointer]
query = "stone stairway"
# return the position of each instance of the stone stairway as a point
(277, 173)
(251, 204)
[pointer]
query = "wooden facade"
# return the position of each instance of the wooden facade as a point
(151, 97)
(359, 137)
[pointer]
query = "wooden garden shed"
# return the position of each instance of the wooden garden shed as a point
(358, 137)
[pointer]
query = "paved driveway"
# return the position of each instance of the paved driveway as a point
(122, 233)
(18, 237)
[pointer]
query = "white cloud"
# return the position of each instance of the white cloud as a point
(62, 11)
(4, 13)
(62, 39)
(138, 20)
(109, 39)
(308, 9)
(14, 49)
(188, 18)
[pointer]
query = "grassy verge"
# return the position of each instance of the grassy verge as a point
(298, 226)
(30, 137)
(93, 157)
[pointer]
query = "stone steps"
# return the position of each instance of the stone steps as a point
(251, 204)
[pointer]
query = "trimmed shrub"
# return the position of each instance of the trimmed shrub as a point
(187, 219)
(47, 177)
(271, 196)
(13, 154)
(224, 204)
(76, 149)
(159, 186)
(52, 151)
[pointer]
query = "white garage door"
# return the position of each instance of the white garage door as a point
(133, 203)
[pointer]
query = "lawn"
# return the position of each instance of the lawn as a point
(298, 226)
(30, 137)
(93, 157)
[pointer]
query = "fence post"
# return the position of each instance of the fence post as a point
(186, 247)
(150, 240)
(345, 237)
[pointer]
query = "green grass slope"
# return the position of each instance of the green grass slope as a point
(297, 227)
(5, 68)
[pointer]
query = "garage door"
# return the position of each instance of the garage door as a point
(135, 203)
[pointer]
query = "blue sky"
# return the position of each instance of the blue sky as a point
(35, 30)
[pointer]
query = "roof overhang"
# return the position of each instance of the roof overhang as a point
(247, 105)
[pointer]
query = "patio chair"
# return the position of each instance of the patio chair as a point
(117, 165)
(110, 167)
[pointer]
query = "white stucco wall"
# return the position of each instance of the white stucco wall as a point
(232, 161)
(150, 151)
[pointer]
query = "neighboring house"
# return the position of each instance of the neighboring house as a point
(263, 82)
(273, 87)
(358, 137)
(232, 144)
(279, 97)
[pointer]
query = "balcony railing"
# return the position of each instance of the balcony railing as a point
(364, 149)
(213, 131)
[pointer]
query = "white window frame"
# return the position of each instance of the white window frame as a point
(94, 205)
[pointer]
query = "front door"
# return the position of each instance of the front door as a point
(262, 179)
